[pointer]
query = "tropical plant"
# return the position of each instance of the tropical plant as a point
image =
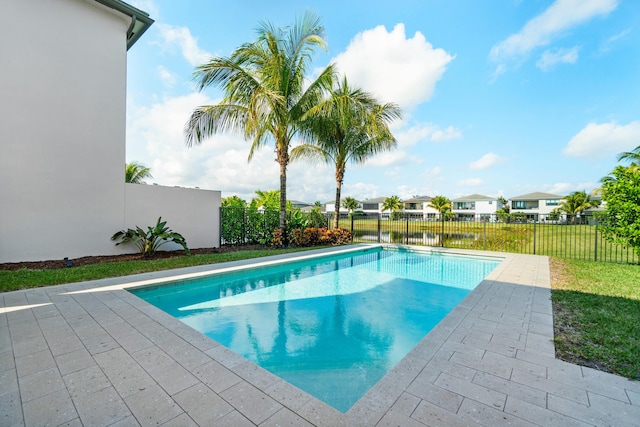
(621, 221)
(350, 204)
(632, 156)
(392, 204)
(266, 92)
(149, 241)
(440, 203)
(233, 202)
(349, 126)
(135, 173)
(576, 203)
(505, 204)
(269, 199)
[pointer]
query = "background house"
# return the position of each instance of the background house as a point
(532, 204)
(475, 206)
(418, 208)
(62, 150)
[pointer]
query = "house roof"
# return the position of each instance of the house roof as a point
(140, 20)
(473, 198)
(418, 199)
(537, 196)
(376, 200)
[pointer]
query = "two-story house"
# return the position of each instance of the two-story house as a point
(418, 208)
(536, 206)
(475, 206)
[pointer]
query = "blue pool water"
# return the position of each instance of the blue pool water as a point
(331, 326)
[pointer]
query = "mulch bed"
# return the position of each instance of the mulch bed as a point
(60, 263)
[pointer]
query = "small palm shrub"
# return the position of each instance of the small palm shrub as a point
(149, 241)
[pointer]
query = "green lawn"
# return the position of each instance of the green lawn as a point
(597, 315)
(22, 279)
(579, 241)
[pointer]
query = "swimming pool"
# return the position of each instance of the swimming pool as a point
(331, 326)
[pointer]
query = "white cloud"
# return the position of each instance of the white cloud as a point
(603, 140)
(552, 57)
(181, 37)
(470, 182)
(554, 22)
(220, 162)
(425, 132)
(608, 44)
(360, 191)
(487, 161)
(167, 77)
(393, 67)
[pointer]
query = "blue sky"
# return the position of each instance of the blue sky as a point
(500, 97)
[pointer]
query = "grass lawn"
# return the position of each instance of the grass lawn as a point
(25, 278)
(597, 315)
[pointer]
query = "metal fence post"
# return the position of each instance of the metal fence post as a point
(595, 240)
(484, 245)
(442, 234)
(379, 233)
(406, 220)
(535, 220)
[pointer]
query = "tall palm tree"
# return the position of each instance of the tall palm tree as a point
(266, 93)
(349, 126)
(135, 173)
(441, 204)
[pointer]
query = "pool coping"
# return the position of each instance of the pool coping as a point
(66, 348)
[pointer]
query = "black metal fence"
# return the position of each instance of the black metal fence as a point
(566, 236)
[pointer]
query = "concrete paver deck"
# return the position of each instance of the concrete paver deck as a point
(93, 354)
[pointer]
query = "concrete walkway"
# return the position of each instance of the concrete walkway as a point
(92, 354)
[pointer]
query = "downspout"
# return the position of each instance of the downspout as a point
(130, 29)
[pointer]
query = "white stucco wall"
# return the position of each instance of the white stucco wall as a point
(62, 106)
(486, 207)
(62, 136)
(191, 212)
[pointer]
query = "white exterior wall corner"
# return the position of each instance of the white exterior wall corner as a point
(194, 213)
(62, 131)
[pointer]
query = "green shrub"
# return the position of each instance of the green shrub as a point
(149, 241)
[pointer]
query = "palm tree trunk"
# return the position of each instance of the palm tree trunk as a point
(339, 178)
(283, 202)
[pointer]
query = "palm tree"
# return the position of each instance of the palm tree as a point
(392, 204)
(576, 203)
(135, 173)
(633, 157)
(266, 93)
(349, 126)
(441, 204)
(350, 204)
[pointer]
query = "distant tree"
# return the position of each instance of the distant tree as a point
(136, 173)
(350, 204)
(505, 204)
(440, 203)
(234, 202)
(576, 203)
(621, 221)
(392, 204)
(266, 199)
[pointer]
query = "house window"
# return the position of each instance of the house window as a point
(370, 206)
(490, 202)
(519, 204)
(552, 202)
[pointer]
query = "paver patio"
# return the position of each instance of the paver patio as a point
(93, 354)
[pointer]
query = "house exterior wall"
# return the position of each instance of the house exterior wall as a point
(62, 135)
(193, 213)
(62, 103)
